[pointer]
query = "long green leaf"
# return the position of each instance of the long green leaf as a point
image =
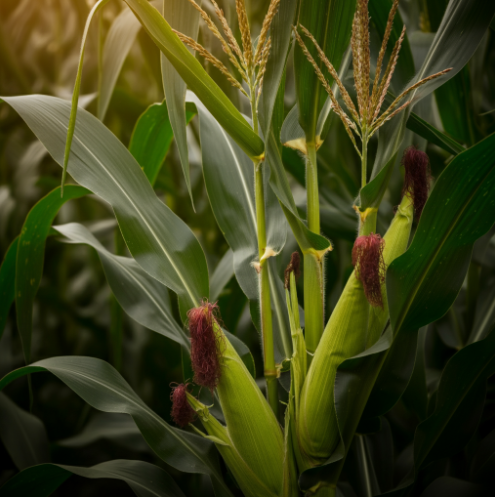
(77, 88)
(22, 434)
(423, 283)
(160, 242)
(145, 479)
(197, 79)
(30, 257)
(183, 17)
(152, 137)
(142, 297)
(102, 387)
(7, 283)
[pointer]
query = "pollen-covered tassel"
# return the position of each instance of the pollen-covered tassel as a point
(367, 258)
(204, 346)
(417, 178)
(182, 412)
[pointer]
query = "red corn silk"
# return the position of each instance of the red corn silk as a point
(182, 412)
(367, 258)
(204, 347)
(293, 266)
(417, 177)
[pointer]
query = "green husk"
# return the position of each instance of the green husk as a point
(396, 240)
(247, 479)
(344, 337)
(251, 425)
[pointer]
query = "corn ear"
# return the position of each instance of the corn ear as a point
(248, 480)
(396, 239)
(344, 337)
(251, 424)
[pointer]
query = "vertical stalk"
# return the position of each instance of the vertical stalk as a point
(270, 371)
(313, 266)
(364, 158)
(367, 223)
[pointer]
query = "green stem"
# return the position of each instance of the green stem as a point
(313, 266)
(270, 371)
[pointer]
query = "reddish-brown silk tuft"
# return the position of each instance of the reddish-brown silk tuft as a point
(367, 258)
(293, 266)
(204, 348)
(417, 177)
(182, 412)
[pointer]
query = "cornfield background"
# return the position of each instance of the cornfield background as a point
(63, 292)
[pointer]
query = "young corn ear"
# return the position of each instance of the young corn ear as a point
(344, 337)
(252, 428)
(248, 480)
(415, 194)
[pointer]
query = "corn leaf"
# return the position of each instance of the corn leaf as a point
(152, 137)
(102, 387)
(30, 257)
(142, 297)
(160, 242)
(459, 211)
(145, 479)
(118, 43)
(7, 283)
(23, 435)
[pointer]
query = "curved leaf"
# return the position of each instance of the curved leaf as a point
(145, 479)
(459, 403)
(23, 435)
(7, 283)
(160, 242)
(424, 282)
(142, 297)
(30, 257)
(152, 137)
(102, 387)
(183, 17)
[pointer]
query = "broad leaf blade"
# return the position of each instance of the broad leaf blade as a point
(152, 137)
(23, 435)
(102, 387)
(30, 257)
(423, 283)
(183, 17)
(160, 242)
(142, 297)
(144, 478)
(7, 283)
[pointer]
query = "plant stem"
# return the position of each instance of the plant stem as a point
(313, 266)
(270, 371)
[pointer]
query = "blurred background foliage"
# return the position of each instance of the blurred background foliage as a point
(75, 312)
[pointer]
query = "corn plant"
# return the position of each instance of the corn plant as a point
(344, 295)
